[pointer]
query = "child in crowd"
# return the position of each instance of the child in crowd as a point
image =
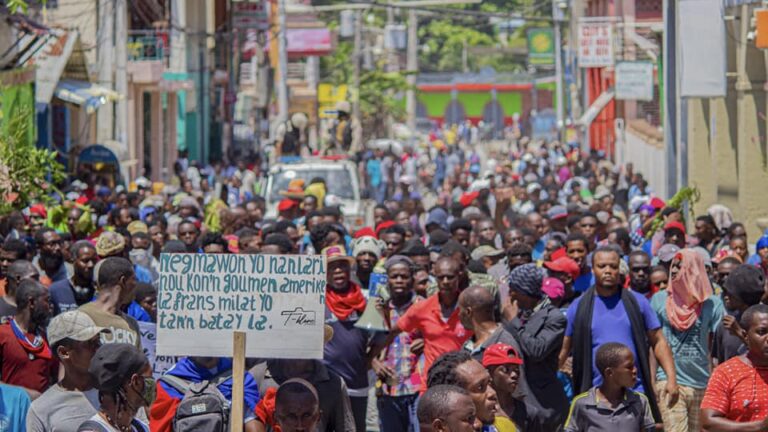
(146, 297)
(612, 406)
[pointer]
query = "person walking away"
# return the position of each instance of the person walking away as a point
(689, 316)
(116, 287)
(539, 328)
(613, 405)
(74, 339)
(123, 377)
(25, 356)
(736, 398)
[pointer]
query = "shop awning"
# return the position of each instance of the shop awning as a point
(597, 106)
(82, 93)
(50, 62)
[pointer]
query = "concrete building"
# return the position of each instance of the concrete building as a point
(727, 140)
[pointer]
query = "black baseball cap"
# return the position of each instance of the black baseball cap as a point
(115, 363)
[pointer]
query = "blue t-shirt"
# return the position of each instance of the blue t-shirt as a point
(583, 282)
(610, 323)
(373, 167)
(690, 348)
(14, 404)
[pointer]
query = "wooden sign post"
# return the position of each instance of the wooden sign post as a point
(238, 382)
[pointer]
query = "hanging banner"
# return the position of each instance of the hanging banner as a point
(278, 300)
(541, 46)
(595, 45)
(634, 81)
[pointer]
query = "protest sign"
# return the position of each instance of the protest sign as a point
(160, 364)
(277, 300)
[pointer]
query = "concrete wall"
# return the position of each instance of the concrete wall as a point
(79, 15)
(646, 152)
(728, 159)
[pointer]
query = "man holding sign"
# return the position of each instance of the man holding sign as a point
(346, 353)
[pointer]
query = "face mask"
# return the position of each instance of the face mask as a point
(149, 394)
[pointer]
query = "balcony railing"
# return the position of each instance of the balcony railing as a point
(148, 45)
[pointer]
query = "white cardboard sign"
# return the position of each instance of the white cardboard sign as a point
(634, 81)
(595, 45)
(277, 300)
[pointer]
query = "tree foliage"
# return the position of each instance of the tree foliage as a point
(27, 173)
(380, 92)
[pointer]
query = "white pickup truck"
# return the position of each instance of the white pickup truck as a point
(341, 179)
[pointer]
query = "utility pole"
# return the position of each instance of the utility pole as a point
(356, 57)
(282, 54)
(121, 77)
(670, 93)
(557, 18)
(412, 65)
(105, 115)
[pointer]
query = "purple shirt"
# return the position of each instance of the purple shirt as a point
(610, 323)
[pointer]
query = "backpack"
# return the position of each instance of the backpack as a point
(203, 407)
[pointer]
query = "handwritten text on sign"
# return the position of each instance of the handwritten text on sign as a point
(595, 45)
(278, 300)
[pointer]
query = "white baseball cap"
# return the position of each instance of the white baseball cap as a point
(73, 325)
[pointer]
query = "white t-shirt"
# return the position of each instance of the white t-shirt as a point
(136, 426)
(60, 410)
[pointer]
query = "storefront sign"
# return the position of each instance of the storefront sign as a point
(595, 45)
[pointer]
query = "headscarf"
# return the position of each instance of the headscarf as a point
(722, 215)
(688, 290)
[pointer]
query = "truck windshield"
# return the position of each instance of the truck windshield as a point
(337, 181)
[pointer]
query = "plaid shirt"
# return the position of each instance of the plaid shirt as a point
(408, 367)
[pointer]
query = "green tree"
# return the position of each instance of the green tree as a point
(380, 92)
(27, 173)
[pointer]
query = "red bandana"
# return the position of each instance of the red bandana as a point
(343, 304)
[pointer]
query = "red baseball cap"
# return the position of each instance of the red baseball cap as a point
(286, 204)
(501, 354)
(564, 265)
(674, 225)
(560, 253)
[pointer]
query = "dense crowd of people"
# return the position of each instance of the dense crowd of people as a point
(535, 288)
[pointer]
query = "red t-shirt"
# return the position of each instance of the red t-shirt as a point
(17, 369)
(738, 391)
(440, 336)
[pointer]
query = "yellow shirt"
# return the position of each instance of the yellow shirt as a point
(504, 424)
